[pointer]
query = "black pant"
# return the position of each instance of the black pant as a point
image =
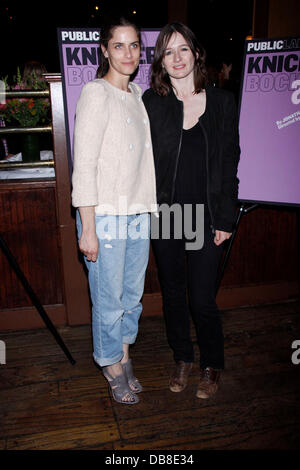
(194, 272)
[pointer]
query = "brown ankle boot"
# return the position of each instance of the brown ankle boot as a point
(208, 384)
(179, 378)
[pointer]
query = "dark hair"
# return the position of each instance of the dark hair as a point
(160, 80)
(106, 33)
(32, 76)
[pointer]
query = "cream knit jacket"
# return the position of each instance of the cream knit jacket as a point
(113, 160)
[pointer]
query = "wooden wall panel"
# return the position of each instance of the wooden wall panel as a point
(29, 228)
(284, 18)
(265, 249)
(151, 281)
(263, 266)
(275, 18)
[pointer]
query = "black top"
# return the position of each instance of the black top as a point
(220, 127)
(190, 185)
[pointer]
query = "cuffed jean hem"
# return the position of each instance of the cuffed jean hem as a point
(128, 339)
(107, 361)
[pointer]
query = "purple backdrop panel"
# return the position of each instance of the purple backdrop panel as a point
(269, 168)
(79, 58)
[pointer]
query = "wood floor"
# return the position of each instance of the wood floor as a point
(46, 403)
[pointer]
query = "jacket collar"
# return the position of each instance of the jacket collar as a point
(173, 97)
(179, 104)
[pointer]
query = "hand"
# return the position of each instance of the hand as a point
(89, 245)
(220, 237)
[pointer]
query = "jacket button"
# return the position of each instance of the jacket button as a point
(147, 145)
(130, 146)
(128, 120)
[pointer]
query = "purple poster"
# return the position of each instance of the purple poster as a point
(269, 169)
(79, 58)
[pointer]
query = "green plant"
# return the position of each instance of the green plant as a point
(28, 112)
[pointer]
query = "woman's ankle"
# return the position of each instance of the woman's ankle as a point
(124, 359)
(115, 369)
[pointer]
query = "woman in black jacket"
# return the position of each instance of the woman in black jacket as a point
(196, 150)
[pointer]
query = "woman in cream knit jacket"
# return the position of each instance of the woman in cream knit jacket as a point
(114, 189)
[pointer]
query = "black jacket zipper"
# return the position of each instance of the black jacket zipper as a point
(178, 153)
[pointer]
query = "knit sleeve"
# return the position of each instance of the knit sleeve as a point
(90, 123)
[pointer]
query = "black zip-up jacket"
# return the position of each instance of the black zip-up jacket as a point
(220, 127)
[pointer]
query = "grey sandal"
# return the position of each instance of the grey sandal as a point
(120, 388)
(133, 382)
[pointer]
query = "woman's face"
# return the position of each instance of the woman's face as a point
(123, 50)
(178, 58)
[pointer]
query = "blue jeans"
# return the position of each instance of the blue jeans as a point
(116, 282)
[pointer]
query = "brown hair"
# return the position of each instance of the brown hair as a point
(160, 80)
(106, 33)
(33, 75)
